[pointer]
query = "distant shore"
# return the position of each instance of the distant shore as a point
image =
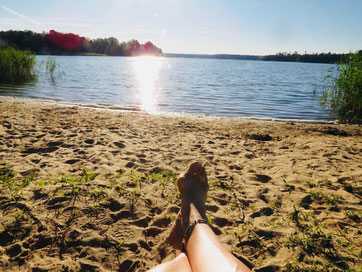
(329, 58)
(267, 179)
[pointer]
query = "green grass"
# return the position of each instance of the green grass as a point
(342, 95)
(330, 199)
(14, 186)
(16, 66)
(322, 250)
(353, 216)
(50, 67)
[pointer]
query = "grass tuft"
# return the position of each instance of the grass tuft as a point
(16, 66)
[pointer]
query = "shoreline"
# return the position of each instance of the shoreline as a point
(94, 189)
(182, 114)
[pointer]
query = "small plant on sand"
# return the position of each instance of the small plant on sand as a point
(41, 184)
(318, 245)
(6, 174)
(133, 197)
(311, 237)
(255, 240)
(342, 95)
(120, 188)
(88, 175)
(98, 195)
(296, 267)
(18, 224)
(353, 216)
(16, 66)
(300, 219)
(74, 187)
(14, 186)
(218, 184)
(164, 178)
(330, 199)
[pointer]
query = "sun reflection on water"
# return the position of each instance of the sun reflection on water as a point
(146, 71)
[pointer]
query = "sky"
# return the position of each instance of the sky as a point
(251, 27)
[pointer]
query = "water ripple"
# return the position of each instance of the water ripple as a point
(202, 86)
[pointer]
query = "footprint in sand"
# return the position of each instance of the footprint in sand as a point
(130, 164)
(120, 215)
(213, 208)
(5, 238)
(260, 137)
(268, 268)
(262, 178)
(72, 161)
(43, 241)
(128, 265)
(55, 143)
(13, 250)
(152, 231)
(45, 150)
(264, 211)
(85, 266)
(115, 205)
(266, 234)
(145, 245)
(119, 144)
(89, 141)
(143, 222)
(222, 222)
(162, 222)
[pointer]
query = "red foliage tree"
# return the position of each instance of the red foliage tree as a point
(68, 41)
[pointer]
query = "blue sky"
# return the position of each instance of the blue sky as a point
(200, 26)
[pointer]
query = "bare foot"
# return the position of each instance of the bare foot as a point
(193, 187)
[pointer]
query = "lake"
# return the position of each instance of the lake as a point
(234, 88)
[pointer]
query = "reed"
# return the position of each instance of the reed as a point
(342, 95)
(16, 66)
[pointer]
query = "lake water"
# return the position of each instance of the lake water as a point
(233, 88)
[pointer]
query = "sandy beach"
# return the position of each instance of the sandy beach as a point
(87, 189)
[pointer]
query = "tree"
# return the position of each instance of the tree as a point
(68, 41)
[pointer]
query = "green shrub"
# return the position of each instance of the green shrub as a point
(16, 66)
(343, 94)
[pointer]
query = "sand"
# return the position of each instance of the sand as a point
(94, 189)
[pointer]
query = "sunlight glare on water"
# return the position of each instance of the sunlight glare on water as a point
(232, 88)
(146, 70)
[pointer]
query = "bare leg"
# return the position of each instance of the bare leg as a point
(204, 251)
(180, 263)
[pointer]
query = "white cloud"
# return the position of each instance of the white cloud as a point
(22, 16)
(22, 21)
(66, 19)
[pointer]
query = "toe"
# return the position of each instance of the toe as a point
(193, 169)
(181, 183)
(202, 177)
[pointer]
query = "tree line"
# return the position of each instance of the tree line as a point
(284, 57)
(57, 43)
(313, 58)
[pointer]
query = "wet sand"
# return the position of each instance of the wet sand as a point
(94, 190)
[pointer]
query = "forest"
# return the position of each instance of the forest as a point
(57, 43)
(285, 57)
(313, 57)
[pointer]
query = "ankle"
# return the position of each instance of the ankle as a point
(196, 213)
(189, 230)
